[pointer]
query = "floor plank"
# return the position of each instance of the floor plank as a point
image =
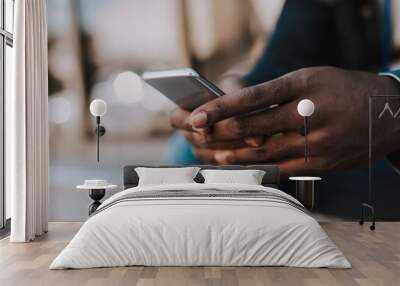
(375, 257)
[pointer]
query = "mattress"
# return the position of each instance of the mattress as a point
(201, 225)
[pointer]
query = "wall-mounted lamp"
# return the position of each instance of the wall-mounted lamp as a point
(305, 108)
(98, 108)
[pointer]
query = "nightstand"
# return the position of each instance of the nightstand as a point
(97, 190)
(305, 190)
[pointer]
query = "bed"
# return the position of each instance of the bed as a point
(197, 224)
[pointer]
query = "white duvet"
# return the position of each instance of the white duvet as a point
(200, 231)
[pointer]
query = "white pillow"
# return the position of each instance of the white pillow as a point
(162, 176)
(248, 177)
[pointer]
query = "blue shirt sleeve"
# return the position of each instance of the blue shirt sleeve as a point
(302, 38)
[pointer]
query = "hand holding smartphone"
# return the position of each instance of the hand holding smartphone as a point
(186, 87)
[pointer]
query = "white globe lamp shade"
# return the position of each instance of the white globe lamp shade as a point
(98, 107)
(305, 107)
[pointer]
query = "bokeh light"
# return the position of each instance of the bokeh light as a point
(128, 87)
(59, 109)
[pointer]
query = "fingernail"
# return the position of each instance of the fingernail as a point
(224, 157)
(201, 130)
(198, 119)
(254, 141)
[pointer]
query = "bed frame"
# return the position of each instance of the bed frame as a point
(271, 177)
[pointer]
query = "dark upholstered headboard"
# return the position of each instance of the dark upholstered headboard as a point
(271, 177)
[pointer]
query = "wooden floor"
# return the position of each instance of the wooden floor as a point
(375, 257)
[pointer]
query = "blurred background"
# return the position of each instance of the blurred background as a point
(99, 48)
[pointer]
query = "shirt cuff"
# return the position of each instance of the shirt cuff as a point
(395, 74)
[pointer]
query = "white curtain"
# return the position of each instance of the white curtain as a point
(26, 123)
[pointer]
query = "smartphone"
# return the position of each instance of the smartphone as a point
(186, 87)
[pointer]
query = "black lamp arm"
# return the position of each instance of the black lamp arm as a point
(305, 138)
(100, 131)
